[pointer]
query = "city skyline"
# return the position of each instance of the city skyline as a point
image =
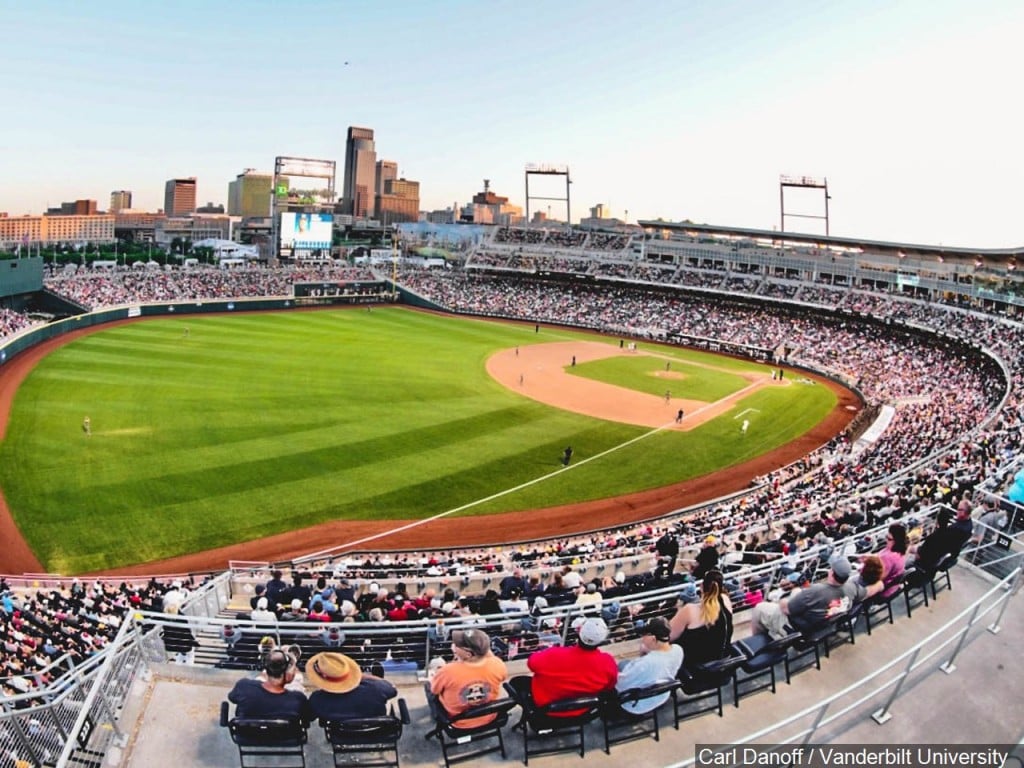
(675, 110)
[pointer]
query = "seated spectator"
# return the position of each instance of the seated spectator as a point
(514, 581)
(808, 609)
(344, 691)
(659, 661)
(571, 578)
(270, 698)
(567, 672)
(275, 588)
(590, 600)
(473, 677)
(992, 518)
(296, 611)
(318, 612)
(944, 540)
(892, 558)
(258, 591)
(707, 558)
(514, 603)
(489, 605)
(262, 614)
(704, 629)
(871, 570)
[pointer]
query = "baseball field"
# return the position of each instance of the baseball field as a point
(211, 431)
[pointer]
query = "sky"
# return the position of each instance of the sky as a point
(672, 109)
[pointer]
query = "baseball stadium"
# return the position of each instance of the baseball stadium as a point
(546, 437)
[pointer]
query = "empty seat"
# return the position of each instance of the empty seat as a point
(761, 655)
(702, 687)
(353, 739)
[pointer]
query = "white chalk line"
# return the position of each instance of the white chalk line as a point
(340, 548)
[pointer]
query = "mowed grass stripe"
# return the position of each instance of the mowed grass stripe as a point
(262, 423)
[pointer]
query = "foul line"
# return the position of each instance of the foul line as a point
(340, 548)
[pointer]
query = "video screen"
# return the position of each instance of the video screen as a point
(305, 231)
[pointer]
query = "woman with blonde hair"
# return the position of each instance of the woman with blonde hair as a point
(704, 629)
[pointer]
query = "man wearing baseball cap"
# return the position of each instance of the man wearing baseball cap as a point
(659, 661)
(809, 609)
(568, 672)
(344, 691)
(473, 677)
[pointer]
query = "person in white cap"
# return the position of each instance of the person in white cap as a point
(567, 672)
(262, 613)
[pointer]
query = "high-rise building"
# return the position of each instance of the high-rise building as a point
(489, 208)
(120, 200)
(386, 171)
(399, 202)
(360, 172)
(76, 208)
(180, 196)
(249, 194)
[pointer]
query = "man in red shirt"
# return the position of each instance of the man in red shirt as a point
(568, 672)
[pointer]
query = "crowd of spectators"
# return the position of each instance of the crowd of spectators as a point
(108, 288)
(953, 420)
(46, 632)
(12, 322)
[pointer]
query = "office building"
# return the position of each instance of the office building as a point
(120, 200)
(249, 194)
(489, 208)
(400, 201)
(360, 173)
(76, 208)
(180, 196)
(386, 171)
(57, 228)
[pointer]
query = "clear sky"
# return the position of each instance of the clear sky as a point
(670, 108)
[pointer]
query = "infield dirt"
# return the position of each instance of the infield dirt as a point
(543, 378)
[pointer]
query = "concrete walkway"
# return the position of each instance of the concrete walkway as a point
(176, 709)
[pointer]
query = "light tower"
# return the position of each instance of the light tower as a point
(549, 170)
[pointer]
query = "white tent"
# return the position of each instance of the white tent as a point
(228, 249)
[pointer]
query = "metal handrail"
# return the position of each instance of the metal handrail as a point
(911, 659)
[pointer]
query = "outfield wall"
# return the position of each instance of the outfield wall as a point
(39, 334)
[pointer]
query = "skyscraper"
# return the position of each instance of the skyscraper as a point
(360, 172)
(386, 170)
(180, 196)
(249, 194)
(120, 199)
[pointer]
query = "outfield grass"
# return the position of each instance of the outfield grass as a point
(252, 425)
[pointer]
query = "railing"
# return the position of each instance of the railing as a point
(886, 683)
(75, 717)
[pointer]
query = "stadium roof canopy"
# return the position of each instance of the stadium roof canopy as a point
(812, 240)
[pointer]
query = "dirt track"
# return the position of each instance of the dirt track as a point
(544, 379)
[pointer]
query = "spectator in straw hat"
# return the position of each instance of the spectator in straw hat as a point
(344, 691)
(473, 677)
